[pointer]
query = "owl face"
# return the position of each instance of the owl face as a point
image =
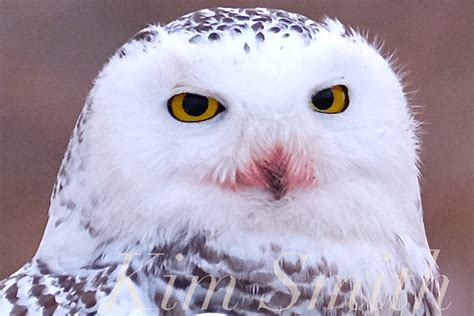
(261, 130)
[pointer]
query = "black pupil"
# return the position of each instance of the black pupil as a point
(194, 104)
(323, 99)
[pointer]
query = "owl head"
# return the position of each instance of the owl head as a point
(243, 121)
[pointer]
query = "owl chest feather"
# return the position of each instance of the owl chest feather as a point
(200, 278)
(194, 278)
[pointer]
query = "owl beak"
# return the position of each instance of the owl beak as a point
(275, 176)
(277, 172)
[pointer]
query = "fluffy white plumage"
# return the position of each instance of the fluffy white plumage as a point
(135, 180)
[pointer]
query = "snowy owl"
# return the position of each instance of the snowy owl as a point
(237, 161)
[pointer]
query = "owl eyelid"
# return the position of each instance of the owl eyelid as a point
(202, 92)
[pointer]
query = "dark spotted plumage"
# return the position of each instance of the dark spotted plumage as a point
(212, 24)
(35, 289)
(39, 289)
(216, 21)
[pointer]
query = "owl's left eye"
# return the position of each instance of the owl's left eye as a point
(331, 100)
(192, 108)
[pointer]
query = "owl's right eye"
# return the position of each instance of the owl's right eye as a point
(331, 100)
(193, 108)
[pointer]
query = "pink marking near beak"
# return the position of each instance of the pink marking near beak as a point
(275, 171)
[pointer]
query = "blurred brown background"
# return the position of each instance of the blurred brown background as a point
(50, 51)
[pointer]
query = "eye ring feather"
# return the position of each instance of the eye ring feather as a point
(193, 108)
(332, 100)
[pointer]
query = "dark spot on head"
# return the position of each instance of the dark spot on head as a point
(246, 48)
(199, 16)
(257, 26)
(227, 20)
(195, 38)
(296, 28)
(203, 28)
(214, 36)
(144, 35)
(251, 12)
(260, 37)
(242, 26)
(242, 18)
(262, 19)
(286, 35)
(222, 27)
(218, 16)
(281, 14)
(274, 29)
(122, 53)
(237, 30)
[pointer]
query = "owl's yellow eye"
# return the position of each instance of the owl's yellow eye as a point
(192, 108)
(331, 100)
